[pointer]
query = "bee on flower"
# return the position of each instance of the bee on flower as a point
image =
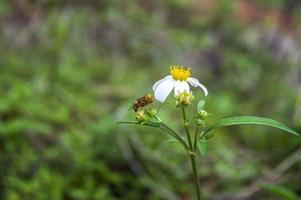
(179, 81)
(143, 101)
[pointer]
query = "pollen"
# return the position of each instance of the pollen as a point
(179, 73)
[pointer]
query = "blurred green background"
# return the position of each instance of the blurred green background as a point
(70, 69)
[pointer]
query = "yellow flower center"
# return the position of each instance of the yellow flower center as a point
(179, 73)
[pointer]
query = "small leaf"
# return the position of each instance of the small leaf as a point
(202, 146)
(173, 140)
(251, 120)
(280, 191)
(201, 105)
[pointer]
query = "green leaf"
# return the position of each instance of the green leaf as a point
(172, 140)
(280, 191)
(251, 120)
(202, 146)
(201, 105)
(163, 127)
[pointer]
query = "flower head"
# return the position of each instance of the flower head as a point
(179, 74)
(141, 116)
(178, 80)
(202, 115)
(152, 112)
(185, 98)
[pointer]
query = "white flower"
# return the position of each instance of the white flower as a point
(178, 81)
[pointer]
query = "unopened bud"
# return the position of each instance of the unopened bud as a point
(152, 112)
(184, 98)
(202, 115)
(141, 116)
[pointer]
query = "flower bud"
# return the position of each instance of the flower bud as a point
(199, 121)
(202, 115)
(141, 116)
(152, 112)
(184, 98)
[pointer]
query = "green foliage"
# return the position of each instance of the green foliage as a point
(201, 105)
(280, 191)
(251, 120)
(202, 146)
(70, 70)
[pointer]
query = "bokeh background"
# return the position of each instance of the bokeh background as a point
(70, 69)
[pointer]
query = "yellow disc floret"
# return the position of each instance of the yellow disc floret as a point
(179, 73)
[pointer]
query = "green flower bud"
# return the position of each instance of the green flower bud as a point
(184, 98)
(202, 115)
(152, 112)
(141, 116)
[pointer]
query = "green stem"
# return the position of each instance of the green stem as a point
(196, 176)
(192, 153)
(174, 134)
(196, 137)
(186, 128)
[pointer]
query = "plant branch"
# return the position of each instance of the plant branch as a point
(196, 137)
(177, 136)
(162, 127)
(196, 176)
(192, 154)
(185, 122)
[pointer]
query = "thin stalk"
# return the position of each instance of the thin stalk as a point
(196, 137)
(186, 128)
(192, 153)
(164, 128)
(175, 135)
(196, 176)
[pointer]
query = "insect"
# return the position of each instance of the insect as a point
(143, 101)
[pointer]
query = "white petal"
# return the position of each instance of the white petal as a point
(160, 81)
(195, 83)
(181, 86)
(163, 89)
